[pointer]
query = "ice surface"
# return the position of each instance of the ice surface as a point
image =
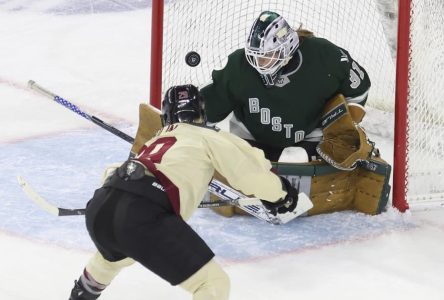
(99, 61)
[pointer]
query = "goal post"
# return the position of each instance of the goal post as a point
(418, 173)
(157, 12)
(411, 73)
(401, 101)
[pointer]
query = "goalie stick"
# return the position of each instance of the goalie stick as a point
(230, 196)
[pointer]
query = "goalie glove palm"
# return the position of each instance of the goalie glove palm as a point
(287, 204)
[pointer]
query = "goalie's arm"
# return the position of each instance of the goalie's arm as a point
(355, 82)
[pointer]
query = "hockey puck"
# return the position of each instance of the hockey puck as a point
(192, 58)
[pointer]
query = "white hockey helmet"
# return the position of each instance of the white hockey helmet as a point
(270, 44)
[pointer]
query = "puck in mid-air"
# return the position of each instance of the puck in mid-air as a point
(192, 58)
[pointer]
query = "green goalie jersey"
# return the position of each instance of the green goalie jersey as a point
(285, 113)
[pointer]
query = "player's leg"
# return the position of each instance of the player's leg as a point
(96, 276)
(165, 244)
(209, 283)
(100, 271)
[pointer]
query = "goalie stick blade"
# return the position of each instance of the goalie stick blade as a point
(45, 205)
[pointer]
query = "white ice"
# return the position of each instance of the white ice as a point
(100, 61)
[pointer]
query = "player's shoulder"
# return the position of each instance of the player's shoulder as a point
(237, 58)
(193, 129)
(237, 54)
(321, 44)
(231, 63)
(326, 51)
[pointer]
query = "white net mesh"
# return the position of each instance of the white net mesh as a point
(426, 107)
(218, 27)
(215, 28)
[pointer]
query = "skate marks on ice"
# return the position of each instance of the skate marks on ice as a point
(73, 7)
(67, 168)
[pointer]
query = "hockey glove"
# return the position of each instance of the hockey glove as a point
(287, 204)
(344, 143)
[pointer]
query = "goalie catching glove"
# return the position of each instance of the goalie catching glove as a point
(344, 143)
(287, 204)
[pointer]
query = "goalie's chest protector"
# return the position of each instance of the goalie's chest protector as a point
(284, 114)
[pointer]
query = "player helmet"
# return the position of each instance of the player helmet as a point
(270, 44)
(183, 104)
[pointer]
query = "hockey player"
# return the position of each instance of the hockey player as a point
(140, 211)
(278, 85)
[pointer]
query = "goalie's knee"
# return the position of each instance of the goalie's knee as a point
(294, 155)
(209, 283)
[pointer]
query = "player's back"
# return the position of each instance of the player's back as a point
(181, 153)
(185, 157)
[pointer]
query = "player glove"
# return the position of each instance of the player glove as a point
(286, 204)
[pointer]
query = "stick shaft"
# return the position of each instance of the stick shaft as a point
(71, 106)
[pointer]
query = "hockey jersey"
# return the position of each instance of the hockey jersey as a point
(284, 114)
(183, 157)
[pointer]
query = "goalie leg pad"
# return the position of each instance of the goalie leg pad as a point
(372, 187)
(365, 189)
(331, 192)
(149, 124)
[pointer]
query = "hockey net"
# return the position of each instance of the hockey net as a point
(215, 28)
(424, 104)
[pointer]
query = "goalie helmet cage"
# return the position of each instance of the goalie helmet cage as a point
(413, 74)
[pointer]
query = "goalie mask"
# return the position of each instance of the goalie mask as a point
(183, 104)
(270, 45)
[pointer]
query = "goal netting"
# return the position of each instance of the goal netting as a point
(425, 105)
(215, 28)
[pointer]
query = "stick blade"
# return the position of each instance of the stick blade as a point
(255, 206)
(29, 191)
(304, 205)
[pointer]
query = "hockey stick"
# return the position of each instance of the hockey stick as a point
(34, 86)
(230, 196)
(255, 207)
(60, 211)
(45, 205)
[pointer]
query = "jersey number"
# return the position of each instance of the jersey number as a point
(356, 77)
(155, 151)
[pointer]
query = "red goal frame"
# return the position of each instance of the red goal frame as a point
(401, 95)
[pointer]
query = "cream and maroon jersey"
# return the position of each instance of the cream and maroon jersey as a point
(183, 157)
